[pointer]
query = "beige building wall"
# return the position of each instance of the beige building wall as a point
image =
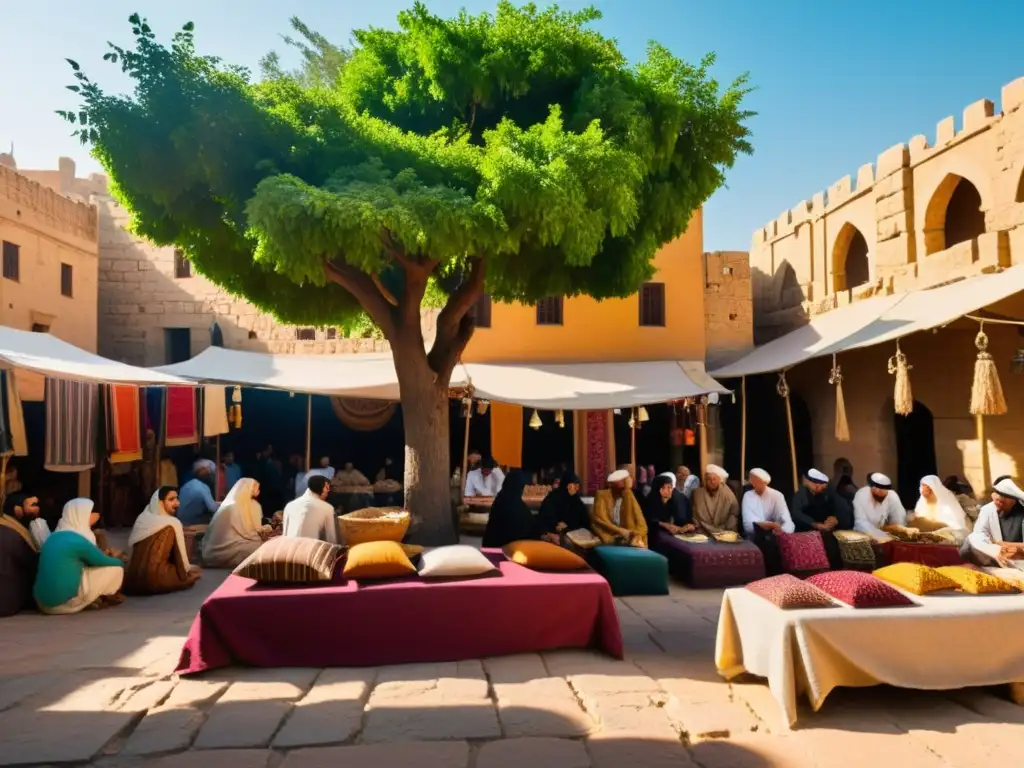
(728, 307)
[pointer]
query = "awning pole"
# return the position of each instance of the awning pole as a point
(465, 448)
(743, 430)
(986, 469)
(216, 477)
(792, 443)
(632, 445)
(309, 432)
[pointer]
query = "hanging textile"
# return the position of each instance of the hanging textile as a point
(6, 441)
(363, 415)
(15, 415)
(125, 409)
(600, 449)
(507, 434)
(215, 410)
(71, 420)
(180, 417)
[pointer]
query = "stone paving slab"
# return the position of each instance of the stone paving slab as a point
(453, 754)
(332, 711)
(623, 750)
(535, 753)
(532, 703)
(165, 729)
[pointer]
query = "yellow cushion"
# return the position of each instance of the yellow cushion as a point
(543, 556)
(975, 582)
(377, 560)
(916, 579)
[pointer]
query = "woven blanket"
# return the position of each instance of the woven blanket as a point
(180, 417)
(72, 408)
(125, 428)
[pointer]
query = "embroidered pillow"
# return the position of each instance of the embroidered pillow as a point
(286, 560)
(455, 560)
(802, 552)
(787, 591)
(857, 554)
(543, 556)
(1012, 576)
(377, 560)
(915, 578)
(861, 590)
(975, 582)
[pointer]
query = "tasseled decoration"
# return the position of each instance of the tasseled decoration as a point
(235, 416)
(987, 391)
(842, 426)
(236, 395)
(903, 398)
(535, 422)
(560, 418)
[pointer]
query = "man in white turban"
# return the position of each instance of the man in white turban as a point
(999, 532)
(819, 507)
(877, 508)
(765, 514)
(617, 517)
(714, 505)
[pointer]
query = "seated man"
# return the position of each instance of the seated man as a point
(563, 510)
(159, 559)
(486, 480)
(196, 503)
(877, 508)
(19, 553)
(617, 517)
(686, 482)
(310, 516)
(348, 477)
(999, 533)
(765, 514)
(714, 505)
(819, 507)
(666, 508)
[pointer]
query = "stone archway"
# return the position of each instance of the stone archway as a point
(850, 266)
(954, 214)
(1019, 197)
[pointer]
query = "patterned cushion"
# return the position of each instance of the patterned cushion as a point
(377, 560)
(976, 582)
(861, 590)
(802, 552)
(787, 591)
(915, 578)
(631, 570)
(543, 555)
(857, 555)
(1013, 576)
(455, 560)
(286, 560)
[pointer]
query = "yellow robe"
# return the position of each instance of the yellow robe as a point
(631, 518)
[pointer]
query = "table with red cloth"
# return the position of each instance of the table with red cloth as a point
(348, 623)
(934, 555)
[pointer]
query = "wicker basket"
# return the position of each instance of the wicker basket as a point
(370, 525)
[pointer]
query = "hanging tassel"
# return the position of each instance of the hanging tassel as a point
(987, 391)
(560, 418)
(903, 398)
(641, 414)
(842, 425)
(535, 422)
(236, 395)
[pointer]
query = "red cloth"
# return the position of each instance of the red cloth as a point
(348, 624)
(126, 435)
(934, 555)
(180, 416)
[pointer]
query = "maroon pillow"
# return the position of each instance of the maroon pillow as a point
(787, 591)
(861, 590)
(802, 552)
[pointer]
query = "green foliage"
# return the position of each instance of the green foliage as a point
(522, 138)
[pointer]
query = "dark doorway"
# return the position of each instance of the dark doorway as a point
(915, 451)
(177, 345)
(857, 272)
(964, 218)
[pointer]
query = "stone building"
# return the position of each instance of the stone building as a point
(922, 215)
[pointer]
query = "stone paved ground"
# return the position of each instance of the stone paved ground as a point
(97, 688)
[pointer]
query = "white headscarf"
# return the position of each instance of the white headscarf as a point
(153, 520)
(671, 476)
(241, 506)
(235, 527)
(75, 517)
(945, 509)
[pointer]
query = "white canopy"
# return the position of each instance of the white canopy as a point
(878, 320)
(49, 356)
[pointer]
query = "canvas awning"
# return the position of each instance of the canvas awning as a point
(876, 321)
(49, 356)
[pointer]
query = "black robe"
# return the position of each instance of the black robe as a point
(675, 510)
(561, 507)
(510, 519)
(809, 508)
(18, 563)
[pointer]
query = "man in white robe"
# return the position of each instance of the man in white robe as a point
(764, 507)
(485, 480)
(877, 507)
(310, 516)
(999, 531)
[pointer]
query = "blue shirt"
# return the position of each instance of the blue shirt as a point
(65, 554)
(197, 504)
(232, 474)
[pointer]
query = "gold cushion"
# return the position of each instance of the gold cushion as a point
(543, 556)
(286, 560)
(916, 579)
(975, 582)
(377, 560)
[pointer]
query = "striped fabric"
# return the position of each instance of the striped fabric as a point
(71, 419)
(285, 560)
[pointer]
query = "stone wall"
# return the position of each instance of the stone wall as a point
(728, 307)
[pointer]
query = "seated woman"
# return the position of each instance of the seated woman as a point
(159, 560)
(667, 509)
(510, 519)
(965, 496)
(563, 510)
(19, 553)
(236, 530)
(617, 518)
(74, 574)
(937, 509)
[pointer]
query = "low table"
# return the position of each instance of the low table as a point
(399, 621)
(710, 564)
(935, 555)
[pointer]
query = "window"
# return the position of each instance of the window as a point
(40, 328)
(652, 304)
(482, 312)
(182, 266)
(332, 334)
(12, 258)
(549, 311)
(177, 345)
(305, 334)
(66, 280)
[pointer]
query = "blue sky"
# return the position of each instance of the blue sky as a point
(838, 81)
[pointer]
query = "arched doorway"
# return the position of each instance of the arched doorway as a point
(850, 259)
(915, 451)
(954, 215)
(790, 294)
(1019, 197)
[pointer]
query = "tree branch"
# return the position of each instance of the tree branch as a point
(388, 296)
(447, 350)
(395, 251)
(362, 287)
(462, 299)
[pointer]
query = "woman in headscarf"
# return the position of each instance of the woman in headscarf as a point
(74, 574)
(510, 519)
(937, 508)
(236, 530)
(563, 510)
(666, 509)
(159, 559)
(19, 554)
(965, 496)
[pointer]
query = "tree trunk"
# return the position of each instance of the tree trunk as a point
(427, 470)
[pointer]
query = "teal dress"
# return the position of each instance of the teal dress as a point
(65, 554)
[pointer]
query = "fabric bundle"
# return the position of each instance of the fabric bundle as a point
(125, 423)
(71, 419)
(215, 410)
(180, 417)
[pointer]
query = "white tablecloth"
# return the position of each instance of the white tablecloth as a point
(946, 641)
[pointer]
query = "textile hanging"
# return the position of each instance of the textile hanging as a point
(180, 417)
(15, 416)
(215, 410)
(71, 425)
(125, 409)
(600, 448)
(6, 442)
(507, 434)
(363, 415)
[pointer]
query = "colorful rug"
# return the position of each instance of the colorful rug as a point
(180, 417)
(600, 450)
(71, 420)
(125, 428)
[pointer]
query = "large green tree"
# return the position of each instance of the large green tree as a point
(517, 153)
